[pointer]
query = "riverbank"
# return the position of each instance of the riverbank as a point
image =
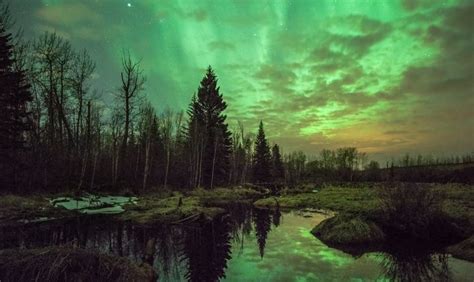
(442, 214)
(156, 206)
(360, 217)
(69, 264)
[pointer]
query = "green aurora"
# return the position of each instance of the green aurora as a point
(387, 77)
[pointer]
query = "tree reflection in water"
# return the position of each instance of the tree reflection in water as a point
(262, 223)
(206, 249)
(201, 250)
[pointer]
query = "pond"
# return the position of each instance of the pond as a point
(248, 244)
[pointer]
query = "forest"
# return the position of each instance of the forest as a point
(59, 134)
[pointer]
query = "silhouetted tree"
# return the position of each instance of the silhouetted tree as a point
(206, 115)
(167, 132)
(148, 138)
(133, 81)
(346, 159)
(278, 170)
(261, 157)
(14, 98)
(195, 142)
(295, 163)
(373, 171)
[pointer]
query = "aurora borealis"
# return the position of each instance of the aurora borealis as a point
(387, 77)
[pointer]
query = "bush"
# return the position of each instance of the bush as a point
(413, 211)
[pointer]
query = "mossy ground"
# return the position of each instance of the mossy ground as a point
(14, 208)
(340, 230)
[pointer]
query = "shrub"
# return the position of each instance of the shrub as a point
(414, 211)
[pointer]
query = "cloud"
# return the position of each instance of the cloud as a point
(383, 81)
(395, 132)
(68, 14)
(70, 20)
(221, 45)
(198, 15)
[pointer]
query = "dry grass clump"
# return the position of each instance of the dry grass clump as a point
(68, 264)
(415, 211)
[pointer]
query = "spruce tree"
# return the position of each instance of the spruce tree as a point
(14, 96)
(261, 158)
(278, 171)
(207, 117)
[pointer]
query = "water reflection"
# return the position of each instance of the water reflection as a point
(246, 244)
(262, 223)
(207, 249)
(409, 263)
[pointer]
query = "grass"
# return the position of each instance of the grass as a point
(347, 200)
(223, 196)
(69, 264)
(458, 200)
(153, 209)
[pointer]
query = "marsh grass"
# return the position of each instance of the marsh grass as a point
(344, 200)
(68, 264)
(222, 196)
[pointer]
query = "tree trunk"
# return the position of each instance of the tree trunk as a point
(213, 161)
(167, 164)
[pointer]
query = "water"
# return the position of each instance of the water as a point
(246, 245)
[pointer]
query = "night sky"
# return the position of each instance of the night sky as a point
(388, 77)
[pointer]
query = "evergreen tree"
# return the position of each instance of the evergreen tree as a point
(206, 116)
(278, 171)
(14, 96)
(262, 157)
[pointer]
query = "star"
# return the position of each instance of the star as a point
(129, 4)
